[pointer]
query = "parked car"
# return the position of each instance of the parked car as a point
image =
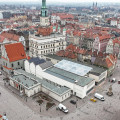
(98, 96)
(93, 99)
(113, 80)
(73, 102)
(62, 108)
(119, 82)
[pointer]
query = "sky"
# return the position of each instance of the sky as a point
(61, 1)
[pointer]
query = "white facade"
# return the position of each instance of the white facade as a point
(28, 92)
(113, 22)
(55, 19)
(40, 46)
(38, 71)
(44, 21)
(1, 15)
(54, 95)
(109, 48)
(78, 90)
(32, 68)
(31, 92)
(27, 66)
(39, 87)
(99, 78)
(96, 44)
(22, 40)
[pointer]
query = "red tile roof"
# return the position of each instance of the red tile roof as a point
(107, 62)
(61, 53)
(10, 36)
(116, 40)
(103, 37)
(7, 68)
(63, 15)
(2, 38)
(15, 52)
(71, 47)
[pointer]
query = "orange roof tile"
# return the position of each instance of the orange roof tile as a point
(7, 68)
(2, 38)
(108, 63)
(10, 36)
(15, 52)
(60, 53)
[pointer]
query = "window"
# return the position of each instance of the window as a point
(41, 46)
(12, 65)
(6, 64)
(46, 19)
(18, 63)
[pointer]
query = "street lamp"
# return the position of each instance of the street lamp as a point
(76, 92)
(40, 107)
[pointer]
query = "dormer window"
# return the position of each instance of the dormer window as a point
(22, 54)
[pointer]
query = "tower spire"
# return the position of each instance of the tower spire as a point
(44, 12)
(43, 3)
(44, 19)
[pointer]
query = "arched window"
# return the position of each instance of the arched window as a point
(45, 13)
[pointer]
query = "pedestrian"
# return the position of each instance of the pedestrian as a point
(26, 98)
(0, 93)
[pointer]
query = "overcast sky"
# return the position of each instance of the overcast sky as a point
(60, 1)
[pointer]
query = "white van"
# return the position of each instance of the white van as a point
(63, 108)
(98, 96)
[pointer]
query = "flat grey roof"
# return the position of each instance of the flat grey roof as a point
(70, 77)
(54, 57)
(25, 81)
(96, 70)
(49, 85)
(73, 67)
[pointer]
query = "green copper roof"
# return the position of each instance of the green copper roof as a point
(54, 27)
(43, 3)
(70, 77)
(64, 29)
